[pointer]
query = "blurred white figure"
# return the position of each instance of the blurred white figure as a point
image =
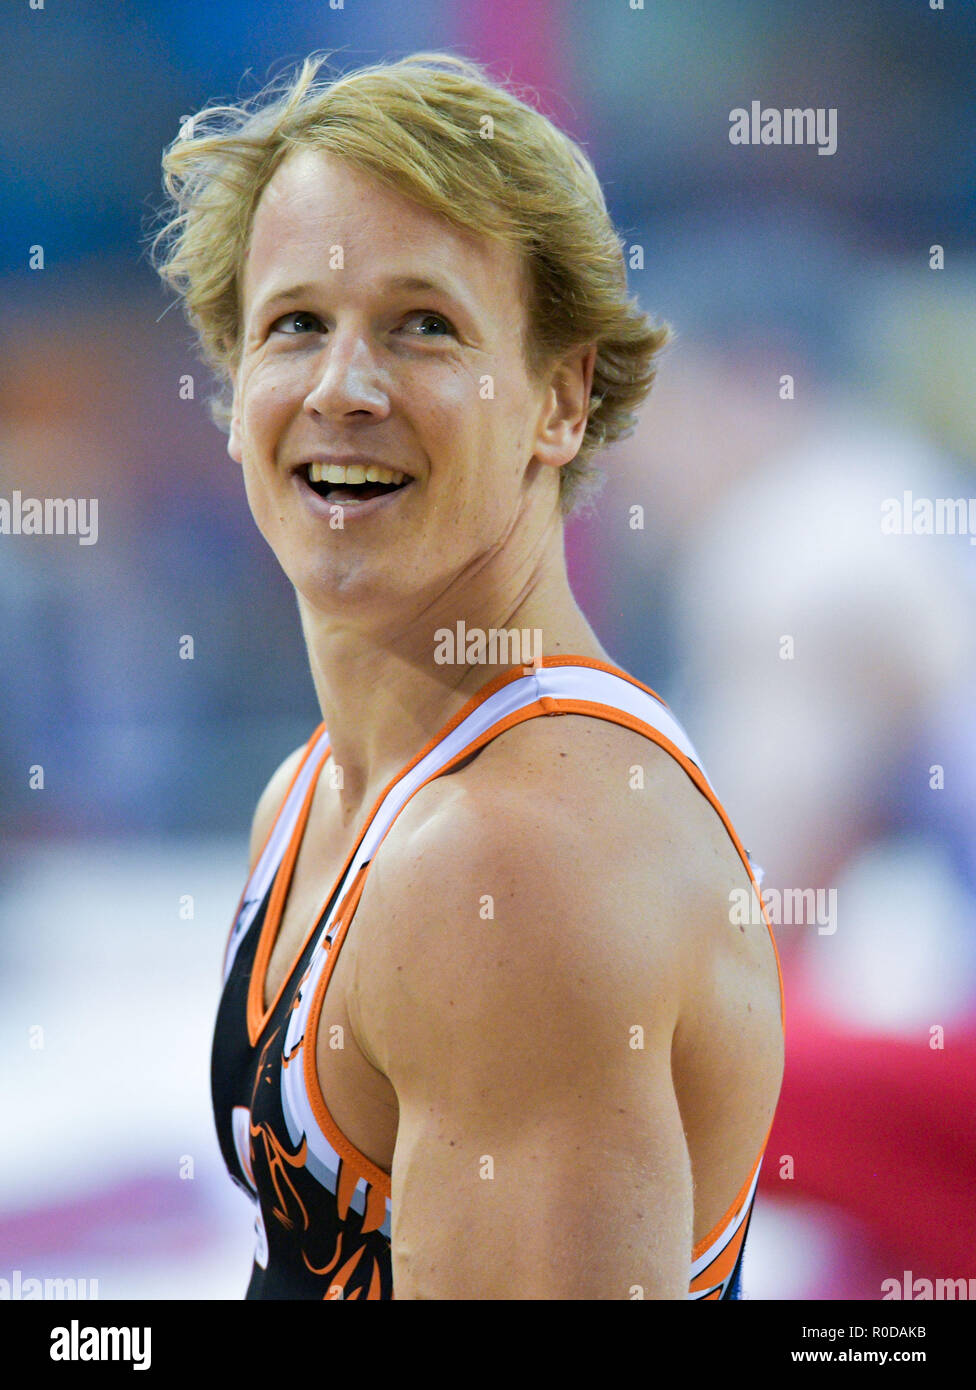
(815, 645)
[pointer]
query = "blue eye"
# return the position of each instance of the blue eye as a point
(426, 316)
(297, 314)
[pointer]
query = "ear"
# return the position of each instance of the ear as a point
(234, 447)
(567, 402)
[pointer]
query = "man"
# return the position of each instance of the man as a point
(487, 1029)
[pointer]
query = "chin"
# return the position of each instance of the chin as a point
(335, 589)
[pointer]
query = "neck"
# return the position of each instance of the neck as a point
(385, 694)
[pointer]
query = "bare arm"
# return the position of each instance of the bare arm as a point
(540, 1151)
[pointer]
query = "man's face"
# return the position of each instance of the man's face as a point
(373, 328)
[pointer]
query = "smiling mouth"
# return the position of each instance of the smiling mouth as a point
(353, 482)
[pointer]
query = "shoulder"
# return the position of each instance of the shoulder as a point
(548, 869)
(269, 802)
(565, 805)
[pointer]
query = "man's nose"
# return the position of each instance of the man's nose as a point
(347, 377)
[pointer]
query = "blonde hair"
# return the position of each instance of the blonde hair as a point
(436, 129)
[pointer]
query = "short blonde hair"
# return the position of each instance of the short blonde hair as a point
(436, 129)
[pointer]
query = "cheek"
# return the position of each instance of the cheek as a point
(260, 499)
(272, 385)
(495, 410)
(262, 407)
(512, 431)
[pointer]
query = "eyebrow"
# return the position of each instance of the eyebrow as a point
(414, 283)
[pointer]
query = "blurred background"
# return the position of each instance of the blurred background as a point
(824, 669)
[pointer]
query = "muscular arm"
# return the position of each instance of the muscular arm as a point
(540, 1152)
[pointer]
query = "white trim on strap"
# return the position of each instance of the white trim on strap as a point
(726, 1234)
(556, 683)
(606, 688)
(263, 873)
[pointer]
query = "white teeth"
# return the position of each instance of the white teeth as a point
(353, 473)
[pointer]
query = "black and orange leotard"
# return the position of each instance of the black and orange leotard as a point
(322, 1208)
